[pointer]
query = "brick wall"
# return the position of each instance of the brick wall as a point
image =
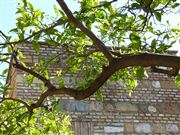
(154, 107)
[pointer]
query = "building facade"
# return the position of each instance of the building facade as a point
(153, 108)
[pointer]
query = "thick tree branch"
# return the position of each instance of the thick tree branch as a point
(143, 60)
(100, 45)
(147, 59)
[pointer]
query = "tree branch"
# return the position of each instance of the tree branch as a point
(99, 44)
(3, 34)
(147, 59)
(40, 77)
(143, 60)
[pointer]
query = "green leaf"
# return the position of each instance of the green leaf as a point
(9, 49)
(61, 82)
(50, 42)
(15, 30)
(37, 36)
(166, 37)
(173, 42)
(177, 81)
(25, 3)
(56, 10)
(175, 5)
(23, 63)
(132, 83)
(158, 16)
(62, 13)
(134, 38)
(36, 46)
(162, 48)
(99, 95)
(31, 6)
(153, 44)
(46, 74)
(135, 5)
(139, 73)
(20, 54)
(29, 79)
(142, 17)
(4, 71)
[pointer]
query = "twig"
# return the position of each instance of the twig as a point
(43, 79)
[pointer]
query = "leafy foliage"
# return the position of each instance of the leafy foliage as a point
(124, 29)
(15, 119)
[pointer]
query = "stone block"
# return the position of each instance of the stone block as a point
(27, 60)
(152, 109)
(114, 129)
(68, 80)
(168, 84)
(126, 107)
(171, 108)
(172, 128)
(80, 106)
(145, 84)
(129, 128)
(156, 84)
(142, 128)
(96, 106)
(158, 128)
(142, 108)
(108, 107)
(74, 106)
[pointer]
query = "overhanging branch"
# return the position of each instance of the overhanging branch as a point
(143, 60)
(99, 44)
(146, 60)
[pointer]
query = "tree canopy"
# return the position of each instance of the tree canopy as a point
(103, 40)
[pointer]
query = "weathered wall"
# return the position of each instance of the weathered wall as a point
(154, 108)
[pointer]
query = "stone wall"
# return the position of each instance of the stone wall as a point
(154, 107)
